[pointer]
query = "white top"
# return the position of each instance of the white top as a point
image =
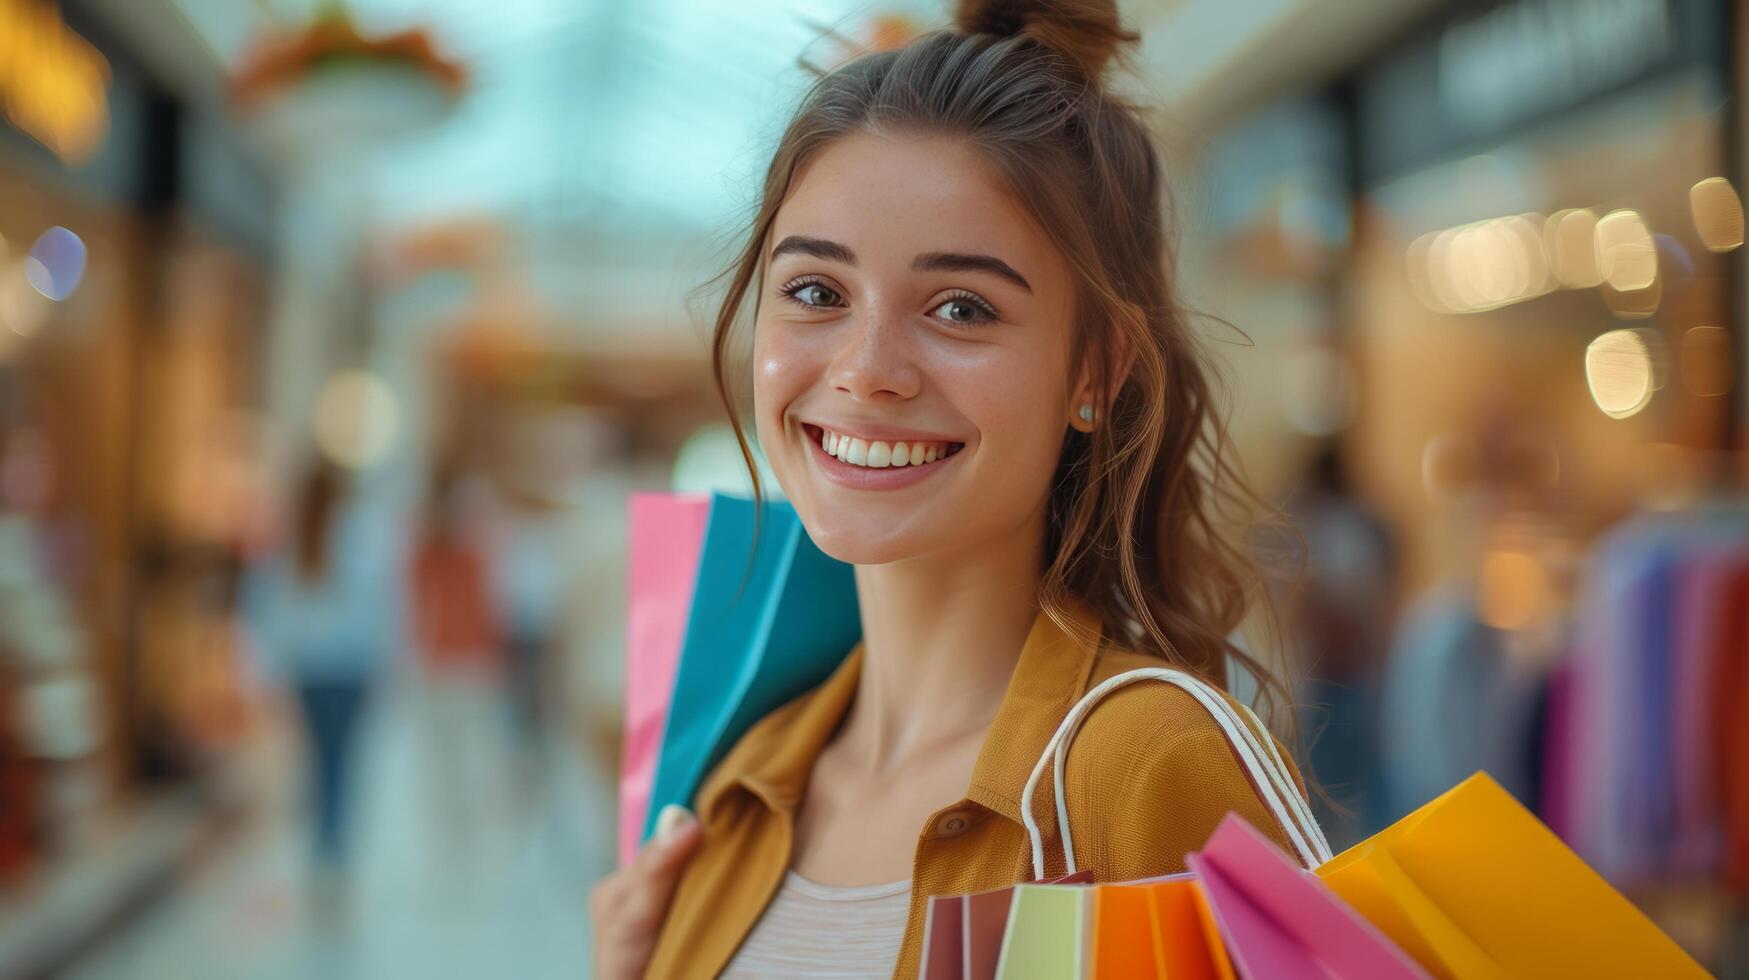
(815, 930)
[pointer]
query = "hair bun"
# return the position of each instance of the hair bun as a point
(1087, 32)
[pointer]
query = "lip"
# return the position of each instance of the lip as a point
(869, 478)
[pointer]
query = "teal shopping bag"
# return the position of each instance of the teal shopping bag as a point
(755, 638)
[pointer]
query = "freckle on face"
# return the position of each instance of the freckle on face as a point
(1000, 388)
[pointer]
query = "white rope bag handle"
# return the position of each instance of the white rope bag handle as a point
(1265, 767)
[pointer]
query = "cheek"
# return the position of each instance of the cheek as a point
(781, 371)
(1012, 398)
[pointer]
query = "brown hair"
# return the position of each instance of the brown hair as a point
(1140, 508)
(323, 488)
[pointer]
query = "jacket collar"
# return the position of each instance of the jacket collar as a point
(774, 760)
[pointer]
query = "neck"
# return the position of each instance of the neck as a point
(941, 636)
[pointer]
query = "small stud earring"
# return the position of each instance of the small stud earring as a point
(1087, 413)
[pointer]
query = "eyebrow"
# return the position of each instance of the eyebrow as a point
(821, 248)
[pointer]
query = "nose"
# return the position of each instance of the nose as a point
(876, 359)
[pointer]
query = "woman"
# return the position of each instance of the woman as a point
(973, 380)
(325, 611)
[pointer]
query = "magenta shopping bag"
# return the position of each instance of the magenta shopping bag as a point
(1280, 921)
(667, 533)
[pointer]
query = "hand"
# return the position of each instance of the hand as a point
(628, 906)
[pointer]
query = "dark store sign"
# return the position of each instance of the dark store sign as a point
(1527, 58)
(1473, 78)
(53, 83)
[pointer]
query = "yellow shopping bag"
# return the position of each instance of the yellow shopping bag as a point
(1473, 886)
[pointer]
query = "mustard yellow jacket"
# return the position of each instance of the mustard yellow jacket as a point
(1148, 778)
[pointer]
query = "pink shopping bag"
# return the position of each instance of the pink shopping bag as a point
(667, 533)
(1280, 921)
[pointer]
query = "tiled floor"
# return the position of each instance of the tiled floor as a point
(432, 896)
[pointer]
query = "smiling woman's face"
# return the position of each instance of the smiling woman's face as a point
(908, 300)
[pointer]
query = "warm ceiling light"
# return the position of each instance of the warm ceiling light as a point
(1618, 367)
(1718, 213)
(1626, 255)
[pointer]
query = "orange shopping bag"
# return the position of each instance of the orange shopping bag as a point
(1156, 931)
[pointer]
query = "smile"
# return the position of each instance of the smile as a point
(874, 464)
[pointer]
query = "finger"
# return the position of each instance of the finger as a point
(656, 872)
(678, 834)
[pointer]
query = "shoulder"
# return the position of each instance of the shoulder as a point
(1152, 772)
(1159, 736)
(1146, 719)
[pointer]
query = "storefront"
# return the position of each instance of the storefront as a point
(1498, 385)
(1534, 181)
(131, 239)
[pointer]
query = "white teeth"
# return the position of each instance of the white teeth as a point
(877, 454)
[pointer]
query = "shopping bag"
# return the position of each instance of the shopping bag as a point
(667, 531)
(1155, 931)
(1279, 920)
(962, 934)
(1474, 886)
(1275, 920)
(756, 637)
(1046, 937)
(1051, 929)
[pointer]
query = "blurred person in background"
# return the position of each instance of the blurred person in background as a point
(461, 661)
(533, 528)
(323, 609)
(1341, 616)
(973, 379)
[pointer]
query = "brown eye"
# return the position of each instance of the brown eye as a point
(959, 311)
(814, 294)
(964, 309)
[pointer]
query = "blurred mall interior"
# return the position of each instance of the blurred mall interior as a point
(411, 290)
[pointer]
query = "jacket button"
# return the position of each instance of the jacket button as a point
(953, 823)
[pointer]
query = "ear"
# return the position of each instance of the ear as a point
(1089, 390)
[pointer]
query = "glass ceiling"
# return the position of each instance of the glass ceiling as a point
(647, 118)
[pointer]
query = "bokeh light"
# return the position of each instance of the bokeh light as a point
(357, 418)
(1718, 213)
(56, 263)
(1618, 367)
(711, 460)
(1627, 257)
(1481, 266)
(1515, 590)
